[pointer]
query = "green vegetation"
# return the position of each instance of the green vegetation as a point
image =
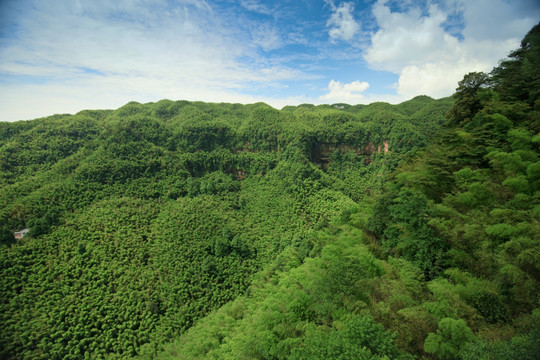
(223, 231)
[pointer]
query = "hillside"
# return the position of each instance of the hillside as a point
(193, 230)
(442, 263)
(144, 219)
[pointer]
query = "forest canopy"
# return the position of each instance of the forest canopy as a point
(196, 230)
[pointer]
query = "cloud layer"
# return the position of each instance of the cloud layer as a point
(104, 54)
(65, 56)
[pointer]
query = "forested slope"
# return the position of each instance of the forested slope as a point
(146, 218)
(442, 263)
(223, 231)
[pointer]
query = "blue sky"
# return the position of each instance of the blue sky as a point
(64, 56)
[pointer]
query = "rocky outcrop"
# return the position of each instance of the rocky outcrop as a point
(320, 153)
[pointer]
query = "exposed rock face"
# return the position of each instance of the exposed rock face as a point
(320, 153)
(369, 149)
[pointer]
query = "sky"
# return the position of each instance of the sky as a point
(64, 56)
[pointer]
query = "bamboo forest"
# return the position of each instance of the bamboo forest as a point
(194, 230)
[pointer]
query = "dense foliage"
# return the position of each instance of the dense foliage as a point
(144, 219)
(223, 231)
(441, 263)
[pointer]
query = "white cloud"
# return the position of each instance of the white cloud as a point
(434, 79)
(408, 38)
(255, 6)
(342, 22)
(428, 59)
(104, 54)
(266, 36)
(347, 93)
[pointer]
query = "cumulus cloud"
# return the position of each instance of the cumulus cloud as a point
(434, 79)
(408, 38)
(347, 93)
(342, 23)
(428, 59)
